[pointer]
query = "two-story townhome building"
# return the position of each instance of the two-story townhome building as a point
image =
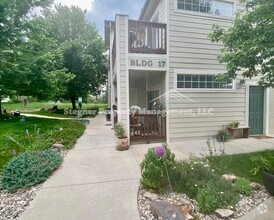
(165, 61)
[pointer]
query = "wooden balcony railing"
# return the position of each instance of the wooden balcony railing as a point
(147, 37)
(147, 128)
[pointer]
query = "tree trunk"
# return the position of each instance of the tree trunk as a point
(73, 102)
(0, 106)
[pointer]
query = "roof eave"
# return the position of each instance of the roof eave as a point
(143, 10)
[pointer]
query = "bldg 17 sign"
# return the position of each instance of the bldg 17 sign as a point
(147, 63)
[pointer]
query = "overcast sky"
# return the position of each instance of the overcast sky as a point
(100, 10)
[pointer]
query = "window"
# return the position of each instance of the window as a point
(191, 81)
(207, 6)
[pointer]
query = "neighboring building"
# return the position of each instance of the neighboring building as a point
(166, 57)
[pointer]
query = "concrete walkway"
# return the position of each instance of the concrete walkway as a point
(94, 182)
(43, 116)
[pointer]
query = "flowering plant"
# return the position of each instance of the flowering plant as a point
(159, 151)
(155, 168)
(135, 108)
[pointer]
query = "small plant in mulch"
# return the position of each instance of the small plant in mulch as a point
(29, 169)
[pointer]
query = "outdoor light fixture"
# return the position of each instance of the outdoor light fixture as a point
(242, 82)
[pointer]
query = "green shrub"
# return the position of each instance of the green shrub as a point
(199, 181)
(153, 169)
(262, 163)
(223, 135)
(206, 200)
(216, 194)
(119, 130)
(96, 109)
(190, 174)
(29, 169)
(5, 116)
(242, 185)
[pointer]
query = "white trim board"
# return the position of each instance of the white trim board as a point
(127, 79)
(118, 66)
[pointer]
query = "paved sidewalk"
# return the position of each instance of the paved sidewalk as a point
(43, 116)
(264, 211)
(95, 181)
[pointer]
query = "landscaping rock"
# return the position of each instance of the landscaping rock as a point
(12, 205)
(224, 213)
(245, 205)
(186, 210)
(255, 186)
(166, 211)
(230, 177)
(58, 146)
(151, 196)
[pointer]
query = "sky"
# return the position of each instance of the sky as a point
(101, 10)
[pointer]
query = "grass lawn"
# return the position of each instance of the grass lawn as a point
(239, 164)
(35, 134)
(37, 106)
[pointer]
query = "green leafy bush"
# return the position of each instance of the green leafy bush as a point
(153, 169)
(198, 180)
(263, 163)
(190, 175)
(29, 169)
(119, 130)
(206, 200)
(243, 186)
(214, 195)
(95, 109)
(223, 135)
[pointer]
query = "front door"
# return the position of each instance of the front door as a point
(151, 96)
(256, 109)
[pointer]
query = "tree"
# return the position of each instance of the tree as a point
(42, 64)
(249, 44)
(13, 26)
(83, 49)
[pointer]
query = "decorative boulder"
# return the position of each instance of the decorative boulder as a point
(166, 211)
(186, 209)
(151, 196)
(58, 146)
(230, 177)
(255, 186)
(224, 213)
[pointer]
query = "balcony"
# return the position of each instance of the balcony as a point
(147, 37)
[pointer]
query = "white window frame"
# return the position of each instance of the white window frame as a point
(201, 14)
(200, 72)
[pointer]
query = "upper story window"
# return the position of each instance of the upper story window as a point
(207, 6)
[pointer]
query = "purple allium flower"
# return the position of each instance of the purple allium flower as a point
(159, 151)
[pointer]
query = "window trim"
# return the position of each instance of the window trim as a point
(207, 15)
(200, 72)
